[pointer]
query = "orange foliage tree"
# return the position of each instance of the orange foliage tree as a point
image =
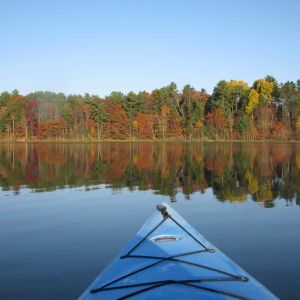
(144, 124)
(217, 121)
(48, 128)
(118, 125)
(174, 129)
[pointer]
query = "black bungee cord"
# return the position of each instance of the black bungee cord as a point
(146, 286)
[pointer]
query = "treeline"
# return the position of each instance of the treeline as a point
(232, 171)
(265, 110)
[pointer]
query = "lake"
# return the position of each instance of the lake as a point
(66, 210)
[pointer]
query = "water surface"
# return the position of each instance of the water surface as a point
(67, 209)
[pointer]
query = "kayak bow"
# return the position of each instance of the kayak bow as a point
(168, 258)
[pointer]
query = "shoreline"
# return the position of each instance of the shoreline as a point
(79, 141)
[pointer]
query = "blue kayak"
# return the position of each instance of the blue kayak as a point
(169, 259)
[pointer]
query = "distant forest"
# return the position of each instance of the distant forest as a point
(234, 111)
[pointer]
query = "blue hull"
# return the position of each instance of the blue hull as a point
(169, 259)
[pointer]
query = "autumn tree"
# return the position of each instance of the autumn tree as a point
(48, 104)
(174, 127)
(217, 123)
(117, 125)
(264, 89)
(253, 101)
(144, 126)
(31, 115)
(48, 129)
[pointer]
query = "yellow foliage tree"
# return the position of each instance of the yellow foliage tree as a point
(253, 101)
(264, 89)
(233, 84)
(236, 90)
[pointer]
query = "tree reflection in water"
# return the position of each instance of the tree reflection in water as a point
(234, 171)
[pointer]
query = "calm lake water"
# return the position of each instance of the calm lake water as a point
(66, 210)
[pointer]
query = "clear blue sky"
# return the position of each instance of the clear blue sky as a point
(101, 46)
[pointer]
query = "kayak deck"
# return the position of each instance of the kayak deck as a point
(168, 258)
